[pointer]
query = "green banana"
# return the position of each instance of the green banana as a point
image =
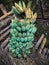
(20, 4)
(18, 7)
(15, 11)
(24, 6)
(29, 4)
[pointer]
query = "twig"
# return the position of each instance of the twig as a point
(7, 14)
(4, 23)
(4, 35)
(44, 51)
(2, 31)
(42, 45)
(39, 41)
(5, 43)
(3, 9)
(12, 59)
(6, 48)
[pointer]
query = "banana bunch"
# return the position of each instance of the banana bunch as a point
(22, 31)
(22, 35)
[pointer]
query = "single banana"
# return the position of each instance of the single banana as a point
(28, 13)
(18, 7)
(34, 16)
(20, 4)
(15, 11)
(24, 6)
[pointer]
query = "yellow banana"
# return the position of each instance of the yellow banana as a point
(34, 16)
(18, 7)
(28, 13)
(24, 6)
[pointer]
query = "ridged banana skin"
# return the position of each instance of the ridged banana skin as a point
(24, 6)
(20, 4)
(15, 11)
(34, 16)
(28, 13)
(18, 7)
